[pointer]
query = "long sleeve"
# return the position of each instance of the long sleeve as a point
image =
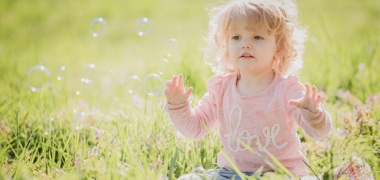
(316, 125)
(197, 122)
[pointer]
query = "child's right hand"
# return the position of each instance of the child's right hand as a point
(175, 92)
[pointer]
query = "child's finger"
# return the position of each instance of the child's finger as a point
(315, 92)
(294, 102)
(308, 90)
(308, 94)
(166, 91)
(188, 92)
(180, 82)
(319, 99)
(169, 83)
(174, 81)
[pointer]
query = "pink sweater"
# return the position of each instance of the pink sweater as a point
(266, 122)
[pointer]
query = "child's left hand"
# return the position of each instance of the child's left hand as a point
(310, 101)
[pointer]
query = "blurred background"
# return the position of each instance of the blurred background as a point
(342, 51)
(81, 85)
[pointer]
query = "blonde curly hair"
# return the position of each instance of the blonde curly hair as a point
(279, 16)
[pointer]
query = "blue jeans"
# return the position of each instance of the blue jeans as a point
(214, 174)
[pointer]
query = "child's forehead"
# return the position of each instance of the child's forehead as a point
(245, 25)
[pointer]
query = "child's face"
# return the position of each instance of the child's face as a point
(251, 51)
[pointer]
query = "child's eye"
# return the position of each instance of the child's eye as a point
(236, 37)
(258, 37)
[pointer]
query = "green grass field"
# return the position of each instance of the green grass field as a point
(71, 129)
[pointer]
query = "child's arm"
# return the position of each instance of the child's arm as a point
(309, 113)
(192, 123)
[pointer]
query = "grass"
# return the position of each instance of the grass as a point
(107, 133)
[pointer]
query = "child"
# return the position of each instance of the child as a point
(255, 98)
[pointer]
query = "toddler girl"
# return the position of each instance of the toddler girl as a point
(255, 98)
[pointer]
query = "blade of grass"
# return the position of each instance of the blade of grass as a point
(274, 159)
(234, 167)
(174, 160)
(311, 170)
(17, 134)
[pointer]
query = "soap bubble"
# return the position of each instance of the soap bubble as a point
(163, 66)
(49, 126)
(57, 83)
(143, 26)
(60, 73)
(133, 84)
(38, 78)
(89, 73)
(171, 47)
(98, 27)
(80, 119)
(153, 84)
(209, 61)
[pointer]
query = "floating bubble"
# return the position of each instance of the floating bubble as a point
(38, 78)
(171, 47)
(60, 73)
(153, 84)
(57, 83)
(80, 119)
(163, 66)
(89, 73)
(143, 26)
(98, 27)
(49, 126)
(79, 116)
(209, 60)
(173, 58)
(133, 84)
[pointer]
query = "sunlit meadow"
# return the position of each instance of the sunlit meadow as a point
(81, 87)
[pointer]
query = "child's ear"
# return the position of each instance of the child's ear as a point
(279, 51)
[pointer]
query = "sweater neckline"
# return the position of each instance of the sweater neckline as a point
(265, 91)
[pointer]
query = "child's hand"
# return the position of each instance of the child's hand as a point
(175, 93)
(310, 101)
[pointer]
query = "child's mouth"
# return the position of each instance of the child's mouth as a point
(246, 55)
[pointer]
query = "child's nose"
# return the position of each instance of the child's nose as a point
(246, 45)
